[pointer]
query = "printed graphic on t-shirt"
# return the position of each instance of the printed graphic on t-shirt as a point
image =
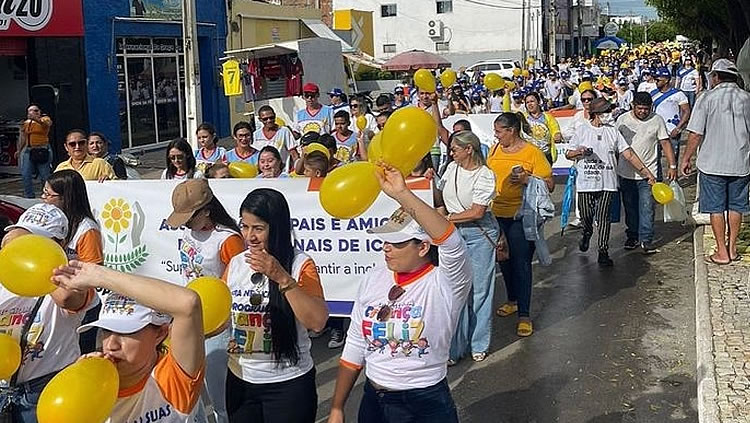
(191, 259)
(400, 335)
(251, 322)
(11, 323)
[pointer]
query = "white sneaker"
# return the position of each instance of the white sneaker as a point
(337, 339)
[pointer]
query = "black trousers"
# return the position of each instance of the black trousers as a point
(595, 206)
(291, 401)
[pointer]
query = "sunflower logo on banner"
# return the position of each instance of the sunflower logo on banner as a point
(123, 223)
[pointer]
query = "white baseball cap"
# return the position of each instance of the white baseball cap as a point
(43, 219)
(400, 227)
(123, 315)
(726, 66)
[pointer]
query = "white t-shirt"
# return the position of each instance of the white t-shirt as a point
(646, 86)
(624, 100)
(52, 341)
(169, 395)
(250, 351)
(203, 253)
(182, 176)
(282, 140)
(474, 187)
(597, 171)
(688, 79)
(643, 137)
(569, 132)
(553, 90)
(410, 349)
(496, 104)
(669, 107)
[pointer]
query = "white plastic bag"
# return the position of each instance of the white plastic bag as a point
(676, 210)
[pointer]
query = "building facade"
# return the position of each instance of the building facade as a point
(135, 69)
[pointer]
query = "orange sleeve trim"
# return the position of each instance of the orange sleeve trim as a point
(128, 392)
(349, 365)
(309, 280)
(445, 236)
(178, 387)
(89, 247)
(231, 247)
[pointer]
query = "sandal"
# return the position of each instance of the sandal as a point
(711, 259)
(524, 328)
(507, 309)
(481, 356)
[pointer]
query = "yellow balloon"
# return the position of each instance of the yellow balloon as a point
(408, 136)
(361, 122)
(494, 82)
(216, 302)
(662, 193)
(314, 146)
(585, 85)
(280, 121)
(27, 263)
(425, 81)
(350, 190)
(516, 72)
(242, 170)
(525, 73)
(530, 61)
(84, 392)
(510, 85)
(448, 77)
(10, 356)
(375, 149)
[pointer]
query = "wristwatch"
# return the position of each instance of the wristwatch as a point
(289, 287)
(673, 166)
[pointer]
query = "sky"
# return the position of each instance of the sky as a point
(627, 7)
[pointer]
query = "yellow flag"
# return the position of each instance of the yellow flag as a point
(231, 74)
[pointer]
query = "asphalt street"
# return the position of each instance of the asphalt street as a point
(610, 345)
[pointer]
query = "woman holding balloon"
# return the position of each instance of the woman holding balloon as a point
(209, 241)
(276, 299)
(514, 161)
(50, 341)
(157, 383)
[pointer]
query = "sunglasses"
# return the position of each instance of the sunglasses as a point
(354, 106)
(586, 99)
(267, 118)
(177, 157)
(79, 143)
(309, 95)
(394, 294)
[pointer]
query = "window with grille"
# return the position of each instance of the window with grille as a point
(389, 48)
(388, 10)
(442, 46)
(444, 6)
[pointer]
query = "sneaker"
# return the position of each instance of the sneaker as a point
(337, 339)
(481, 356)
(604, 260)
(631, 244)
(583, 245)
(649, 249)
(452, 362)
(312, 334)
(575, 224)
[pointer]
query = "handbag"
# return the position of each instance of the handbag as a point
(502, 252)
(9, 396)
(39, 155)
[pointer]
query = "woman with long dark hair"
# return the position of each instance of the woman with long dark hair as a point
(210, 239)
(276, 298)
(181, 162)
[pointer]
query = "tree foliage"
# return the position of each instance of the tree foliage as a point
(725, 21)
(657, 31)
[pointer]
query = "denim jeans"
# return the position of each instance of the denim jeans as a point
(216, 374)
(25, 408)
(675, 148)
(517, 269)
(475, 321)
(433, 404)
(27, 171)
(691, 98)
(639, 209)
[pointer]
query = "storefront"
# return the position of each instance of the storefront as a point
(41, 61)
(136, 70)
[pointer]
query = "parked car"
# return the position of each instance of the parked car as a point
(9, 214)
(502, 67)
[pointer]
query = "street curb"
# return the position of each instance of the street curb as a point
(708, 410)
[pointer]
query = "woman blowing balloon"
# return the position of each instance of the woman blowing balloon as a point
(404, 316)
(134, 322)
(276, 298)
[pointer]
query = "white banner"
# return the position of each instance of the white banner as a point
(137, 239)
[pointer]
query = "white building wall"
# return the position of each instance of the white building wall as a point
(478, 30)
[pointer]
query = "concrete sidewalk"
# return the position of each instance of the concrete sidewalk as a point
(722, 331)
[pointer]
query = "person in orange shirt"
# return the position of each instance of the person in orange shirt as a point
(209, 241)
(33, 152)
(66, 189)
(134, 322)
(514, 160)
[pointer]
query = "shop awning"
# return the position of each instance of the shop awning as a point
(608, 43)
(364, 59)
(266, 50)
(321, 30)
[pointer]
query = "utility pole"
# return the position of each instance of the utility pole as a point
(193, 110)
(523, 33)
(553, 29)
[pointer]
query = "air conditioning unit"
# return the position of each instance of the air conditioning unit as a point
(435, 29)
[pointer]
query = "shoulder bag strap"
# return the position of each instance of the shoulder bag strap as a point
(24, 333)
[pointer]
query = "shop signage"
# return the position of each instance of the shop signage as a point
(158, 9)
(40, 18)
